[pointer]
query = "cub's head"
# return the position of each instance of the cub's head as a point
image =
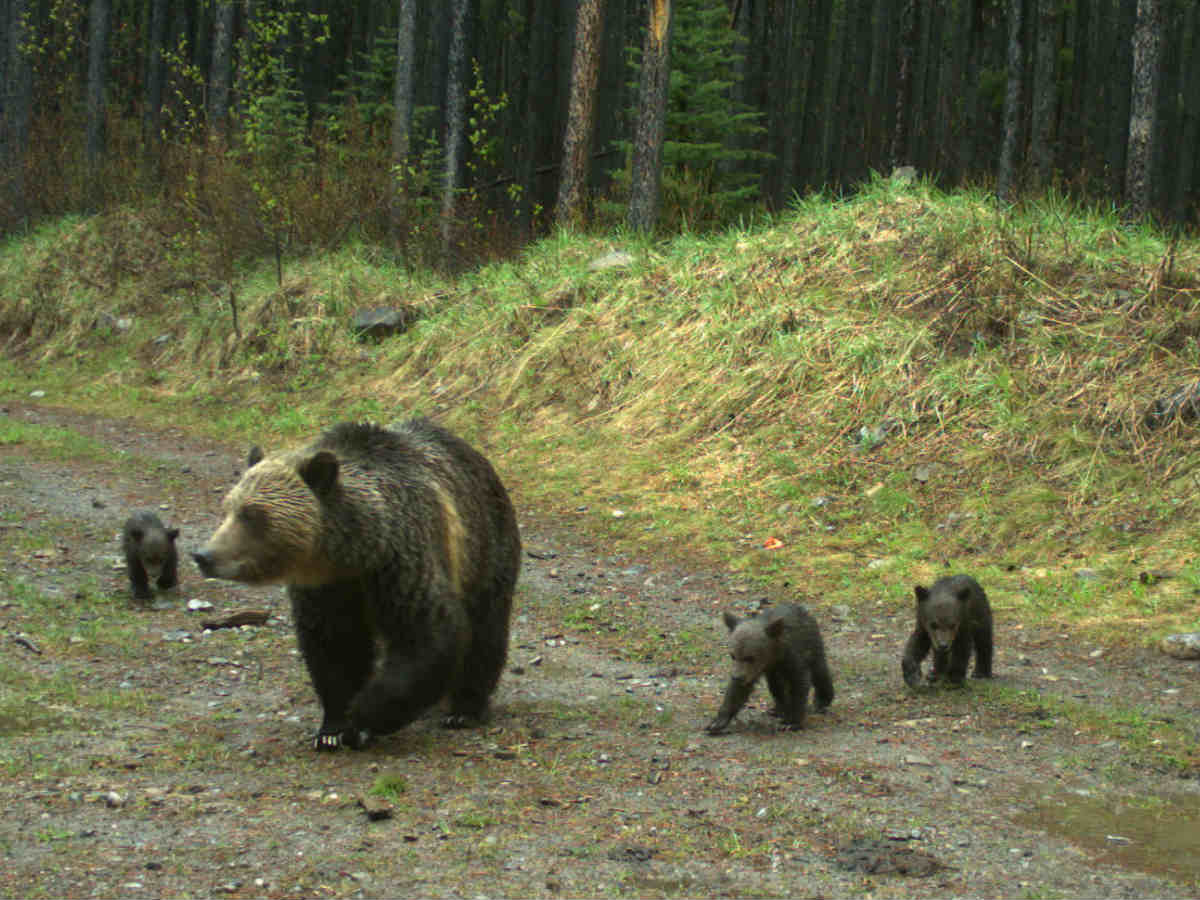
(941, 612)
(753, 645)
(272, 521)
(155, 547)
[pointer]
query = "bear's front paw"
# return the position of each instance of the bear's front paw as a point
(717, 726)
(354, 738)
(912, 673)
(459, 720)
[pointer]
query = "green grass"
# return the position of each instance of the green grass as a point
(719, 385)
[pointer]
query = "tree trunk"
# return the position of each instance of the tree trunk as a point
(156, 73)
(99, 24)
(905, 54)
(222, 69)
(814, 95)
(877, 80)
(1147, 41)
(536, 115)
(402, 104)
(1006, 178)
(1045, 93)
(585, 71)
(648, 137)
(456, 102)
(16, 104)
(1120, 86)
(1189, 129)
(781, 108)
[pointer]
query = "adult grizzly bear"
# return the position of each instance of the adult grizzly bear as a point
(400, 552)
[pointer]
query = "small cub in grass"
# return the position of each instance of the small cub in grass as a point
(784, 644)
(150, 554)
(953, 618)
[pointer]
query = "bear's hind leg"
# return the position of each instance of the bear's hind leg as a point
(983, 652)
(482, 666)
(406, 684)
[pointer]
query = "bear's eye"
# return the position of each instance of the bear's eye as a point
(253, 516)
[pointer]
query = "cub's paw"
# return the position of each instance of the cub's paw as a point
(912, 673)
(459, 720)
(354, 738)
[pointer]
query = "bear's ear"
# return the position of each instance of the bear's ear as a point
(775, 629)
(731, 621)
(320, 472)
(172, 533)
(963, 595)
(137, 534)
(254, 457)
(922, 594)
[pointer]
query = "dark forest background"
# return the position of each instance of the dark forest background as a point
(297, 122)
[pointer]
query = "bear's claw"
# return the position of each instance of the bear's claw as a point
(354, 738)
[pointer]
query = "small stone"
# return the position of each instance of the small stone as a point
(617, 259)
(199, 606)
(1182, 646)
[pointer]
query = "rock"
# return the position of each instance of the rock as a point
(375, 809)
(381, 322)
(1183, 405)
(617, 259)
(1182, 646)
(199, 606)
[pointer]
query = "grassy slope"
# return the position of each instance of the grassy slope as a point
(886, 386)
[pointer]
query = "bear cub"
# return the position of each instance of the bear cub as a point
(784, 644)
(150, 554)
(400, 551)
(954, 619)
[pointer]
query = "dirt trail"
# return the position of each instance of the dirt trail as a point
(143, 756)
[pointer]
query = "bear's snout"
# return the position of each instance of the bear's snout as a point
(205, 562)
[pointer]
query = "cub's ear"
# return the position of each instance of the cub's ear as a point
(922, 594)
(172, 533)
(775, 629)
(731, 621)
(320, 472)
(254, 457)
(137, 534)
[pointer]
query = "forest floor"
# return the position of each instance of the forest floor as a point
(146, 756)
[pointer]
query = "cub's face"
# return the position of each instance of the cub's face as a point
(155, 549)
(942, 616)
(270, 529)
(751, 647)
